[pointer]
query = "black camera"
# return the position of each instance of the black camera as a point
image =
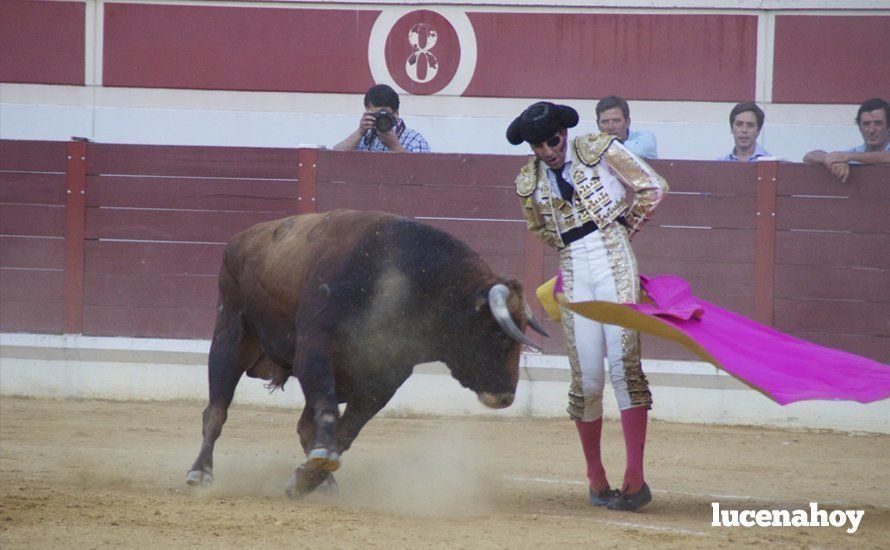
(384, 121)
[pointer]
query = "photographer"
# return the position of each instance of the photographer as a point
(381, 129)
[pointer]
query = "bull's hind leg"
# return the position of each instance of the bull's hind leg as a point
(231, 351)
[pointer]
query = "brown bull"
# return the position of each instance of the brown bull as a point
(348, 303)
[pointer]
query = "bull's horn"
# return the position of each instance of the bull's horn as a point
(533, 321)
(497, 301)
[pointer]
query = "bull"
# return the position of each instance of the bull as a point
(348, 303)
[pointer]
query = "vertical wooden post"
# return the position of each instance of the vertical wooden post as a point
(532, 276)
(75, 232)
(765, 255)
(307, 180)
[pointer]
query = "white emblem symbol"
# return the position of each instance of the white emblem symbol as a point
(427, 35)
(422, 65)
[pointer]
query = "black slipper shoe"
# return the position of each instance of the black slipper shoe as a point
(631, 502)
(604, 497)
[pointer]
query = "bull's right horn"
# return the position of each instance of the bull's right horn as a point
(497, 301)
(533, 321)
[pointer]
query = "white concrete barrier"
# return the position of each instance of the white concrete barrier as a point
(71, 366)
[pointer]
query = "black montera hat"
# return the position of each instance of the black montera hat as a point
(541, 121)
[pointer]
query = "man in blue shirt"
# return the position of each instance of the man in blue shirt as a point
(381, 129)
(745, 122)
(872, 121)
(613, 118)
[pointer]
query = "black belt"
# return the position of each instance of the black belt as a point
(573, 235)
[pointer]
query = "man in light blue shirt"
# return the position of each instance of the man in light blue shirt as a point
(613, 118)
(745, 122)
(872, 121)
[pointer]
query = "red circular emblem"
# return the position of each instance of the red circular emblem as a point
(422, 52)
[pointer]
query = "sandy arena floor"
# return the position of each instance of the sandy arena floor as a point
(99, 474)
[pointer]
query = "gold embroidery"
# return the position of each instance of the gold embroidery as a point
(550, 234)
(578, 175)
(576, 391)
(525, 181)
(548, 216)
(591, 147)
(627, 285)
(649, 188)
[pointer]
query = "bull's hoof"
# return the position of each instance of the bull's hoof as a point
(199, 478)
(322, 459)
(303, 481)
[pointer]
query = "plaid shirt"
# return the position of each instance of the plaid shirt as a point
(412, 141)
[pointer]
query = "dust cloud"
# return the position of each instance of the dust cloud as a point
(436, 473)
(442, 474)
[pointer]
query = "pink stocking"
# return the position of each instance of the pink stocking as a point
(591, 433)
(633, 423)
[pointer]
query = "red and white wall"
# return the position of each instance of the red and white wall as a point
(285, 73)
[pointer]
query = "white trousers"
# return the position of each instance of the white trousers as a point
(602, 268)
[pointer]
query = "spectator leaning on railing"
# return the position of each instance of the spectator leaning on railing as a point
(872, 121)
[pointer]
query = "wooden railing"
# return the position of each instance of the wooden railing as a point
(125, 240)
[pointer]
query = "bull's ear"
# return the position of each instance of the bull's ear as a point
(481, 301)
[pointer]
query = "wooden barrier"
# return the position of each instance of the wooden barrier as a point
(157, 221)
(783, 243)
(32, 231)
(832, 269)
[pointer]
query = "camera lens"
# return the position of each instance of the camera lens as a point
(384, 121)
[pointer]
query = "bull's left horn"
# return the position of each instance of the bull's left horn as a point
(497, 301)
(533, 321)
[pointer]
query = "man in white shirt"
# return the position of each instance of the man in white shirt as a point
(745, 123)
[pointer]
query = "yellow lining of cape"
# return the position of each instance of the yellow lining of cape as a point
(611, 313)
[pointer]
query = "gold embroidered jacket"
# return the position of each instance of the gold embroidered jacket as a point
(602, 170)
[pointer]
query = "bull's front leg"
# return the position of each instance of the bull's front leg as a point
(359, 410)
(317, 425)
(321, 398)
(303, 480)
(313, 365)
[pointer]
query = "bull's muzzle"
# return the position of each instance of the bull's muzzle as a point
(496, 400)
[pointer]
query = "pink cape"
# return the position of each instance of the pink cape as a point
(784, 368)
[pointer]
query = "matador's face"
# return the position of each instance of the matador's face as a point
(552, 150)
